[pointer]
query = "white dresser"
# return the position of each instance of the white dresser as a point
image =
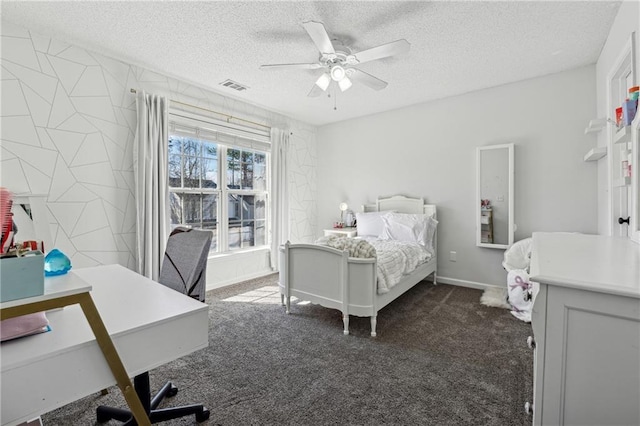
(586, 330)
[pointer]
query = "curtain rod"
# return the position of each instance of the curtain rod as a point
(229, 117)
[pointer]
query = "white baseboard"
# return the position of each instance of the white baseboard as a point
(440, 279)
(236, 280)
(465, 283)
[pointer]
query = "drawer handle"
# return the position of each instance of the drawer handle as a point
(531, 342)
(528, 295)
(528, 408)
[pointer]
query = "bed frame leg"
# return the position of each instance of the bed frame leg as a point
(288, 305)
(345, 320)
(435, 279)
(282, 299)
(373, 325)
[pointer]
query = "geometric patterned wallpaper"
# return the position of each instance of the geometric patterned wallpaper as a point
(68, 125)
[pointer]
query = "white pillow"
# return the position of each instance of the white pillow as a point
(370, 224)
(417, 228)
(432, 224)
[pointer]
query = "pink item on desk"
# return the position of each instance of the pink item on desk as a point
(7, 220)
(22, 326)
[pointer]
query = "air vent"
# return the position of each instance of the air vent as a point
(234, 85)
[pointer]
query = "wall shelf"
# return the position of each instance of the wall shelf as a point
(622, 182)
(595, 125)
(623, 135)
(596, 153)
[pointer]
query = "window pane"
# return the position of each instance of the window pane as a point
(210, 217)
(234, 235)
(233, 154)
(233, 168)
(209, 150)
(191, 169)
(191, 209)
(248, 207)
(191, 147)
(209, 211)
(209, 173)
(242, 226)
(260, 173)
(260, 207)
(175, 201)
(175, 170)
(247, 234)
(247, 176)
(233, 175)
(260, 233)
(247, 157)
(175, 144)
(234, 212)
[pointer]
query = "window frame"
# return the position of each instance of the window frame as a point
(222, 191)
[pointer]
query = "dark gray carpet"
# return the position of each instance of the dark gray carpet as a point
(440, 358)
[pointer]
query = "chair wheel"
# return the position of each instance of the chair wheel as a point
(203, 416)
(173, 391)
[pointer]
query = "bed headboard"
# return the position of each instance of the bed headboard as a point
(401, 204)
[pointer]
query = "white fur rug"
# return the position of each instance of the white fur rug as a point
(495, 297)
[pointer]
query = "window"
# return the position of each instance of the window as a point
(247, 198)
(220, 188)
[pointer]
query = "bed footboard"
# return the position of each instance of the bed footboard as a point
(330, 278)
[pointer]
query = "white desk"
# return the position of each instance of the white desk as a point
(149, 325)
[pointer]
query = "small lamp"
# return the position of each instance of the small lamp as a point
(343, 208)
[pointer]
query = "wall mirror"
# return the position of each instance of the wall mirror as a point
(30, 216)
(494, 196)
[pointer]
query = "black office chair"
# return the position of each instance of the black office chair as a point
(183, 269)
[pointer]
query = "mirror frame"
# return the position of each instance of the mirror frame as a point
(510, 150)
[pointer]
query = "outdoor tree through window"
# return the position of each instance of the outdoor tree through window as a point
(197, 199)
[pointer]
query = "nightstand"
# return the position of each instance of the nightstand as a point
(347, 232)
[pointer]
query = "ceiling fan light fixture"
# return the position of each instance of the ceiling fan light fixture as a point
(345, 83)
(323, 82)
(337, 73)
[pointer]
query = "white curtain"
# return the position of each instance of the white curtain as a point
(279, 192)
(151, 183)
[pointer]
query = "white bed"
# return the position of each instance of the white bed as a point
(330, 278)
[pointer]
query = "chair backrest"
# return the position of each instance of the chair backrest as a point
(184, 266)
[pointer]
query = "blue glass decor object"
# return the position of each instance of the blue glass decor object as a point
(56, 263)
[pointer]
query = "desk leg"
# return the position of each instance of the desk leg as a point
(113, 359)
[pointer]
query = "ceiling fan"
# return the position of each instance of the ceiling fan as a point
(338, 62)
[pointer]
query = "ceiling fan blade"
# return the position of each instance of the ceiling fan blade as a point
(367, 79)
(383, 51)
(314, 66)
(319, 35)
(315, 91)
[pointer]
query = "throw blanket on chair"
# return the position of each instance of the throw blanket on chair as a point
(356, 248)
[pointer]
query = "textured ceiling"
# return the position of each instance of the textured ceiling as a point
(456, 47)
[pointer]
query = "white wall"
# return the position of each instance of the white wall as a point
(627, 21)
(68, 126)
(428, 150)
